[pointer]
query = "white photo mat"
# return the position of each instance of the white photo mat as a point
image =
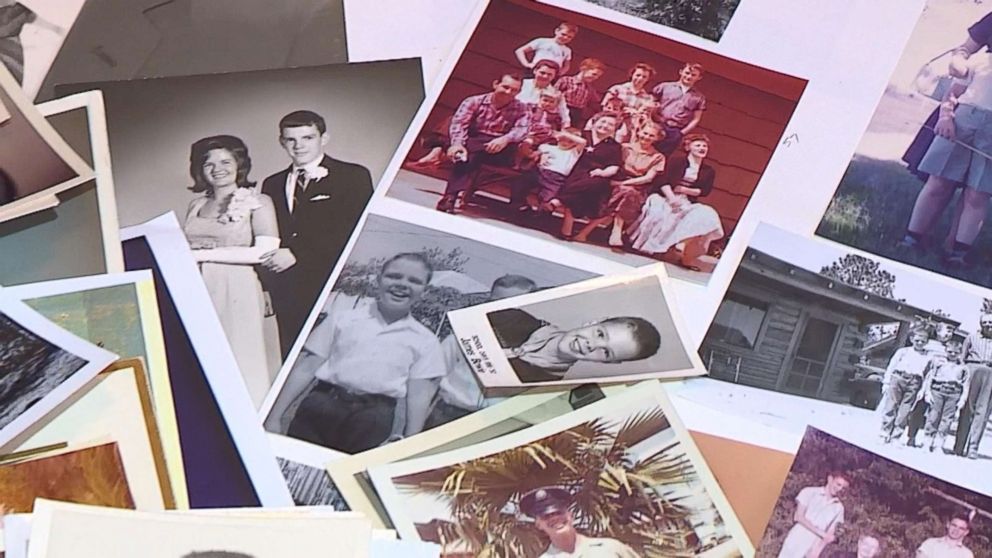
(650, 391)
(179, 271)
(482, 349)
(96, 359)
(30, 203)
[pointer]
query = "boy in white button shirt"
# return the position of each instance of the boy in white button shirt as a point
(459, 394)
(904, 376)
(554, 165)
(365, 357)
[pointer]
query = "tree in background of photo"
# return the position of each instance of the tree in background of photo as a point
(359, 279)
(617, 493)
(895, 504)
(863, 273)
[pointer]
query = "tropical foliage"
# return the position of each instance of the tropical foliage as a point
(897, 505)
(617, 493)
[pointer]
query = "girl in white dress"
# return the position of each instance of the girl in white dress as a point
(231, 228)
(818, 513)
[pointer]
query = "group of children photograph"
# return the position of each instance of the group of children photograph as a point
(628, 160)
(946, 382)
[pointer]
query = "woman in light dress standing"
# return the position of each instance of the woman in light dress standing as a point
(674, 216)
(231, 228)
(819, 512)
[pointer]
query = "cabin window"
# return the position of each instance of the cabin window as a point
(738, 321)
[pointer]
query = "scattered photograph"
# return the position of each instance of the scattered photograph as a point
(386, 310)
(42, 365)
(310, 486)
(268, 188)
(173, 38)
(35, 162)
(227, 459)
(620, 477)
(841, 500)
(704, 18)
(915, 190)
(61, 530)
(79, 235)
(34, 32)
(620, 328)
(898, 360)
(92, 475)
(117, 406)
(349, 473)
(614, 142)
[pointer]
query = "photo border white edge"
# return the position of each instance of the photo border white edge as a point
(175, 262)
(381, 476)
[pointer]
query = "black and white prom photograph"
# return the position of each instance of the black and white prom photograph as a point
(268, 172)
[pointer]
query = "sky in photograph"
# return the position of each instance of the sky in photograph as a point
(920, 288)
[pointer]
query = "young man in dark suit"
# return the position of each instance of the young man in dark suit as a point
(318, 201)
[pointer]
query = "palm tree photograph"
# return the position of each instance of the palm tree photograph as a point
(621, 483)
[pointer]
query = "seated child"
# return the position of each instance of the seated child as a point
(436, 142)
(545, 121)
(904, 377)
(943, 391)
(549, 48)
(578, 92)
(540, 351)
(554, 163)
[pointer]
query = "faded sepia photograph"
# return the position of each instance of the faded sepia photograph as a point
(841, 500)
(620, 477)
(917, 189)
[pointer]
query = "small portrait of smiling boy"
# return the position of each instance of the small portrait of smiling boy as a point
(601, 330)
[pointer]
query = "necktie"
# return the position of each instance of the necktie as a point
(12, 19)
(299, 188)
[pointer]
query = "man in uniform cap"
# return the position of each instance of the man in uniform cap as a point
(550, 508)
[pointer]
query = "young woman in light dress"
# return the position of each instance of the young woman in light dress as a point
(231, 228)
(674, 216)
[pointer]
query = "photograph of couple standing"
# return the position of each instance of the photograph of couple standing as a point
(269, 248)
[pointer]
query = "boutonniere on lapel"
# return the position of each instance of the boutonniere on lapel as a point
(318, 173)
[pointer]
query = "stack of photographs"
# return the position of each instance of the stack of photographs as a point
(510, 290)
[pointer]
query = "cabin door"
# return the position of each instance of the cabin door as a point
(811, 360)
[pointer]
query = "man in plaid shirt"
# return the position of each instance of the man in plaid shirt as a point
(484, 130)
(578, 91)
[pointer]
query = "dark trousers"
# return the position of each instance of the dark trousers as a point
(899, 402)
(335, 418)
(672, 141)
(975, 413)
(917, 419)
(575, 115)
(463, 173)
(946, 396)
(443, 413)
(550, 183)
(587, 196)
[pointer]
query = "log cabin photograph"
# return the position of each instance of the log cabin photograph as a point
(622, 144)
(894, 352)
